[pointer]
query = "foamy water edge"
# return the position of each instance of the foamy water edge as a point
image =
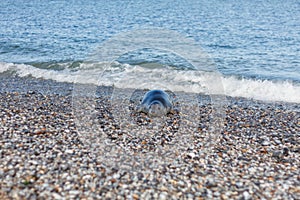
(265, 90)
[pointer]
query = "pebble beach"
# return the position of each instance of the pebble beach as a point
(43, 154)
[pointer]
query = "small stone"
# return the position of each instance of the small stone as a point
(265, 143)
(224, 197)
(277, 141)
(181, 183)
(163, 195)
(191, 155)
(239, 184)
(56, 195)
(211, 182)
(276, 154)
(135, 196)
(217, 194)
(285, 151)
(69, 151)
(34, 162)
(246, 195)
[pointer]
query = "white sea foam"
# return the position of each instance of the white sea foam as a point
(126, 76)
(262, 89)
(23, 70)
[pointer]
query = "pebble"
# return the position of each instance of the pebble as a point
(239, 184)
(56, 196)
(265, 143)
(277, 141)
(43, 154)
(246, 195)
(163, 196)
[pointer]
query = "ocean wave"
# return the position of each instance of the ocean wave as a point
(164, 77)
(266, 90)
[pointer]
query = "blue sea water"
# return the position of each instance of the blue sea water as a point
(255, 45)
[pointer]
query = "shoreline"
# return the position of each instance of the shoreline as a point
(13, 83)
(43, 154)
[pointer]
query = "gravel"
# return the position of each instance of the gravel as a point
(47, 153)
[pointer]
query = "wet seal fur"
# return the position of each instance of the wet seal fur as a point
(155, 103)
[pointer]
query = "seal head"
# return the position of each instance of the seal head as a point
(155, 103)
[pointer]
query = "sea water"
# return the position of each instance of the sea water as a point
(254, 45)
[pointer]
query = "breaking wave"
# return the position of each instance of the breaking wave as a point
(152, 75)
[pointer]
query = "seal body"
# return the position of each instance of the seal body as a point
(155, 103)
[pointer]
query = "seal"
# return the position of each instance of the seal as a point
(155, 103)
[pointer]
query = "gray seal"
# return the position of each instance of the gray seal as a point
(155, 103)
